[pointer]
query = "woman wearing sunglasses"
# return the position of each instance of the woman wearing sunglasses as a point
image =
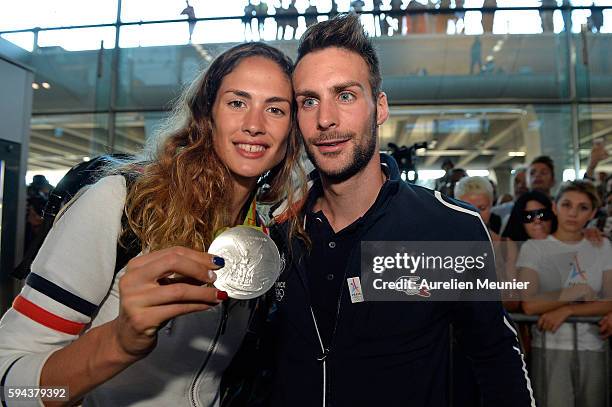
(568, 275)
(532, 217)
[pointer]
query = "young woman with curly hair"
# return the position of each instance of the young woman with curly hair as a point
(134, 338)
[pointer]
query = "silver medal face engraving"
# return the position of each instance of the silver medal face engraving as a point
(252, 262)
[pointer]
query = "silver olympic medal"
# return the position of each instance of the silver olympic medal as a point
(252, 262)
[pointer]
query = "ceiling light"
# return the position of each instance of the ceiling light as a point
(35, 85)
(516, 154)
(46, 85)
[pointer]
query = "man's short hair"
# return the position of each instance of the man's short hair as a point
(474, 185)
(346, 32)
(547, 161)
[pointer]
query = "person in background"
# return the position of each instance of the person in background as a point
(456, 174)
(40, 187)
(36, 200)
(546, 16)
(532, 217)
(478, 192)
(333, 12)
(442, 19)
(282, 22)
(459, 17)
(504, 198)
(519, 182)
(357, 6)
(293, 18)
(261, 13)
(488, 17)
(191, 18)
(568, 276)
(447, 166)
(417, 22)
(247, 19)
(603, 220)
(494, 186)
(380, 19)
(476, 56)
(597, 155)
(519, 187)
(596, 19)
(541, 175)
(311, 13)
(397, 16)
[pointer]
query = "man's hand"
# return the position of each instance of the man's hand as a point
(552, 320)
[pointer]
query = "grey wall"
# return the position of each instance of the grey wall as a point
(15, 114)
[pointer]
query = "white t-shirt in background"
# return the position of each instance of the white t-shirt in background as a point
(560, 265)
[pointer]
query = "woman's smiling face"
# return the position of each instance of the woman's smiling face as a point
(252, 117)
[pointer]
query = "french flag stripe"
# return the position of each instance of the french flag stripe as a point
(61, 295)
(44, 317)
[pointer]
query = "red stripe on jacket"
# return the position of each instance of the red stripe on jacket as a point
(44, 317)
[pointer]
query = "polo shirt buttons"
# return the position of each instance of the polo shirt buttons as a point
(332, 245)
(330, 277)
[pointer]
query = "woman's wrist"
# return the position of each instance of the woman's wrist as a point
(112, 354)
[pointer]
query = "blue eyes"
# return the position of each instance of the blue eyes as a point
(309, 103)
(344, 97)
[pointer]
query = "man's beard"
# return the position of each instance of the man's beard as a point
(362, 154)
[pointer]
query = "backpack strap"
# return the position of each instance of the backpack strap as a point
(128, 246)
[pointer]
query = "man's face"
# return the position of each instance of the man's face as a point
(337, 114)
(540, 177)
(482, 202)
(520, 184)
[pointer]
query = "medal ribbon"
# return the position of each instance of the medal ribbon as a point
(251, 220)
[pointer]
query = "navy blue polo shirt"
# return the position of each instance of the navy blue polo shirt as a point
(325, 268)
(327, 261)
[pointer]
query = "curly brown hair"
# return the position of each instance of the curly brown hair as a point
(182, 190)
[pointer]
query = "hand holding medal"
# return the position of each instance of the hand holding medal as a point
(252, 262)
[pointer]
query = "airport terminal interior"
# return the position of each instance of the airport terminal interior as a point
(480, 85)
